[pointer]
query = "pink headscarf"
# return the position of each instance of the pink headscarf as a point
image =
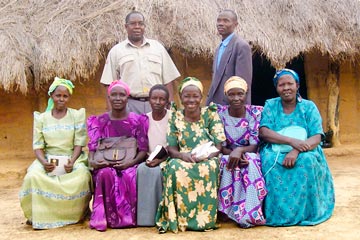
(121, 84)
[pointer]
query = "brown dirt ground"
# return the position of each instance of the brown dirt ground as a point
(344, 163)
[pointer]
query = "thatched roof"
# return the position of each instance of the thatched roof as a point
(69, 38)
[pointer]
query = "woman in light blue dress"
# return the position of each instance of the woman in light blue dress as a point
(298, 179)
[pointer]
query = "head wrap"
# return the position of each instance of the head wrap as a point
(235, 82)
(190, 81)
(120, 84)
(58, 82)
(293, 74)
(283, 72)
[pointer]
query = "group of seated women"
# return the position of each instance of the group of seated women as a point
(262, 165)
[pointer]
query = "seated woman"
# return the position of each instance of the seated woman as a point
(242, 186)
(56, 201)
(297, 176)
(114, 203)
(189, 199)
(149, 184)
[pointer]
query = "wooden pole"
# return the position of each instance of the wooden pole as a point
(333, 85)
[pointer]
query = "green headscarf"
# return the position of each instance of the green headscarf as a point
(58, 82)
(190, 81)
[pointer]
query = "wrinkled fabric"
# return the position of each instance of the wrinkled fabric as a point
(242, 190)
(189, 198)
(304, 194)
(56, 201)
(115, 199)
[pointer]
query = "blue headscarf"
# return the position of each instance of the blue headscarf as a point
(58, 82)
(293, 74)
(283, 72)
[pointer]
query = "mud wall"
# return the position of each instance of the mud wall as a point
(316, 69)
(16, 118)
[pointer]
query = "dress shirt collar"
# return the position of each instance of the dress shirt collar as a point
(226, 41)
(145, 42)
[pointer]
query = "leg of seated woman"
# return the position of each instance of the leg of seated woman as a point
(114, 198)
(190, 196)
(303, 195)
(149, 188)
(41, 196)
(242, 192)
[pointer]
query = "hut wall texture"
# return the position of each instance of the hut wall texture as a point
(16, 125)
(316, 68)
(16, 120)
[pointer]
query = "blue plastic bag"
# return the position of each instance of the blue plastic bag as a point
(293, 132)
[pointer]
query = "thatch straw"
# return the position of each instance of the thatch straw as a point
(69, 38)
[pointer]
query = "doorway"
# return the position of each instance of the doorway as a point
(262, 84)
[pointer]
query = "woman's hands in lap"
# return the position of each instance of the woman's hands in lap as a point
(290, 158)
(69, 167)
(124, 164)
(155, 162)
(96, 164)
(300, 145)
(49, 167)
(188, 157)
(237, 159)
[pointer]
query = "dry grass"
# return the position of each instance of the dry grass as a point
(43, 38)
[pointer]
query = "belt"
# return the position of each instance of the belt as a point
(142, 99)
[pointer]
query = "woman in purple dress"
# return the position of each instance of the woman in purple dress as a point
(114, 203)
(242, 186)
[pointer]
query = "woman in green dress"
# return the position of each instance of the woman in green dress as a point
(189, 198)
(55, 201)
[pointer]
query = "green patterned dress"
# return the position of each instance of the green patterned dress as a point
(50, 202)
(189, 198)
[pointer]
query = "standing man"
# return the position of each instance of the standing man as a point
(141, 63)
(232, 58)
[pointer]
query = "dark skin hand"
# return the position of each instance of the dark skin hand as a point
(290, 158)
(77, 152)
(237, 156)
(97, 164)
(129, 163)
(188, 157)
(49, 167)
(155, 162)
(120, 165)
(298, 145)
(237, 159)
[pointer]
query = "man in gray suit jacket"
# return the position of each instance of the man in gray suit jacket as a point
(232, 58)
